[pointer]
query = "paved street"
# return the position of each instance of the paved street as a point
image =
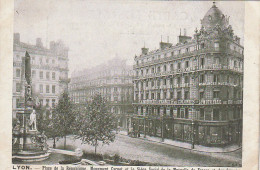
(139, 149)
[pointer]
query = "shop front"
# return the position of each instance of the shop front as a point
(207, 133)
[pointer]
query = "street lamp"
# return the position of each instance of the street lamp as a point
(193, 134)
(162, 129)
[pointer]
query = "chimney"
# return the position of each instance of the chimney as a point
(17, 38)
(164, 45)
(39, 42)
(184, 38)
(145, 50)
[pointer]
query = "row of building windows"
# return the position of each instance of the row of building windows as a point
(186, 79)
(109, 98)
(47, 74)
(47, 102)
(184, 95)
(107, 74)
(182, 51)
(47, 89)
(121, 90)
(165, 68)
(184, 113)
(171, 54)
(101, 82)
(90, 93)
(33, 60)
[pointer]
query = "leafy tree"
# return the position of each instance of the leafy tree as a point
(42, 117)
(46, 122)
(64, 116)
(53, 130)
(96, 124)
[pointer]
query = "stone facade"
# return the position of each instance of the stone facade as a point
(49, 71)
(192, 91)
(113, 80)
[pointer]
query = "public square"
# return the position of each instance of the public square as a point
(174, 102)
(153, 152)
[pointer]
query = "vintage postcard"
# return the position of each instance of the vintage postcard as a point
(140, 85)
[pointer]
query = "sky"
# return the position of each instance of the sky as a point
(97, 31)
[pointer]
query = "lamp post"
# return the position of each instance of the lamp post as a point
(162, 129)
(193, 134)
(239, 133)
(144, 128)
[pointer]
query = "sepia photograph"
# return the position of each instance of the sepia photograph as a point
(128, 83)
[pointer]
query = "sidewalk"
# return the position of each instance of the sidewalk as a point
(185, 145)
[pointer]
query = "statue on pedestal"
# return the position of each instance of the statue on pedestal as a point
(26, 146)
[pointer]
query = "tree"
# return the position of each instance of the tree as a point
(64, 116)
(53, 130)
(46, 122)
(42, 116)
(96, 123)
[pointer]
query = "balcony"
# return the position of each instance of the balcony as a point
(185, 85)
(163, 87)
(191, 69)
(218, 84)
(188, 102)
(166, 101)
(209, 102)
(155, 87)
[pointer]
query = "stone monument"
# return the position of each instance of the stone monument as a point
(28, 144)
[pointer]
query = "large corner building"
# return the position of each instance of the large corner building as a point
(192, 91)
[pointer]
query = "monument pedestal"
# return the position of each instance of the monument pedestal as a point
(29, 145)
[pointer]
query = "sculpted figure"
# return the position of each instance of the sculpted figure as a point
(33, 120)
